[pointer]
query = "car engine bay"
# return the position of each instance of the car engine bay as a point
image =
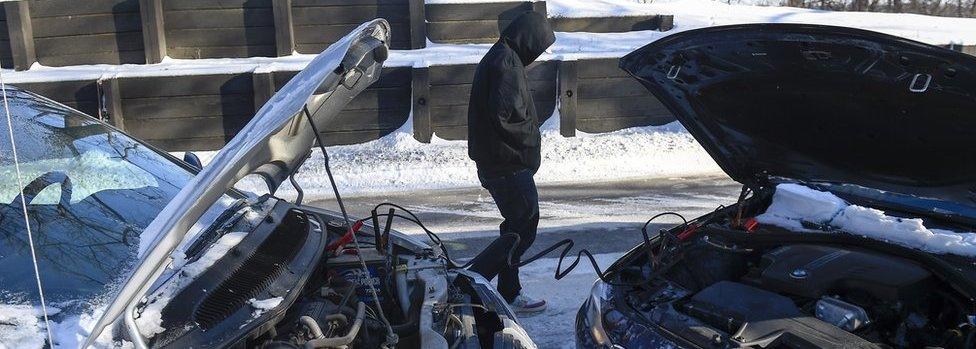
(379, 290)
(724, 280)
(426, 304)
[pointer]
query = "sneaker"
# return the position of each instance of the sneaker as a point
(523, 305)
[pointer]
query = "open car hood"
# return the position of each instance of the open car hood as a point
(273, 144)
(822, 104)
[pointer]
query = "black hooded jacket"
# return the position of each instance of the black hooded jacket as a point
(503, 128)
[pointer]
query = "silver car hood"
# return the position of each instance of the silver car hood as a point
(273, 144)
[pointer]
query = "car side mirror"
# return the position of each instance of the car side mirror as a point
(193, 160)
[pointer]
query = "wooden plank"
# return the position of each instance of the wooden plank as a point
(608, 24)
(476, 11)
(284, 28)
(189, 144)
(195, 127)
(187, 106)
(456, 74)
(568, 92)
(615, 124)
(153, 30)
(611, 87)
(329, 33)
(624, 106)
(316, 3)
(447, 95)
(418, 24)
(110, 103)
(65, 91)
(220, 4)
(123, 57)
(190, 85)
(422, 125)
(326, 33)
(353, 137)
(666, 23)
(220, 18)
(6, 59)
(366, 120)
(21, 34)
(382, 98)
(351, 14)
(451, 133)
(63, 8)
(452, 115)
(600, 68)
(197, 52)
(390, 77)
(65, 45)
(104, 23)
(264, 87)
(476, 32)
(220, 37)
(452, 74)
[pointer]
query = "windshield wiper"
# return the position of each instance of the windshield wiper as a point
(228, 218)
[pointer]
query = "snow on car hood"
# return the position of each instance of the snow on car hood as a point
(272, 145)
(795, 206)
(821, 104)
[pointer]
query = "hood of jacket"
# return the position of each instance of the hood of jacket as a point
(529, 36)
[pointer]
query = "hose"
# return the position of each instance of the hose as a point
(340, 342)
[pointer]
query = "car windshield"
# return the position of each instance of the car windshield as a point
(90, 191)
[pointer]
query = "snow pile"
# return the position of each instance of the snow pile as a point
(21, 326)
(794, 204)
(261, 306)
(150, 321)
(398, 162)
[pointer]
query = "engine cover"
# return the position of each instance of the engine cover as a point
(815, 271)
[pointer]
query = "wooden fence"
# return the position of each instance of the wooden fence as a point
(70, 32)
(202, 112)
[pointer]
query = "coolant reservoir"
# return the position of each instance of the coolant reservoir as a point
(841, 314)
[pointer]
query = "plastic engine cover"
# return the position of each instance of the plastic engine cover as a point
(816, 271)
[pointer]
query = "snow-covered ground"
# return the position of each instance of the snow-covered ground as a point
(554, 327)
(397, 162)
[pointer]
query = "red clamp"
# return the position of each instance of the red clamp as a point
(346, 238)
(688, 232)
(751, 224)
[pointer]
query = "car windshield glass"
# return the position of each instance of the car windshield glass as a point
(90, 191)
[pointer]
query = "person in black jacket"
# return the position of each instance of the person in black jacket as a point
(504, 142)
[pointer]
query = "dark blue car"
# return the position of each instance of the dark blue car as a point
(855, 224)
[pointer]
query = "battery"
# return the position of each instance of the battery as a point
(347, 270)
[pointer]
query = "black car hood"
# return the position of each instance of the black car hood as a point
(822, 104)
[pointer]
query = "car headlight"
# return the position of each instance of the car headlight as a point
(594, 313)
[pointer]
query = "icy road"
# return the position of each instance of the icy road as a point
(604, 218)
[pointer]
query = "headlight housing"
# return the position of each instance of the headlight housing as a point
(593, 316)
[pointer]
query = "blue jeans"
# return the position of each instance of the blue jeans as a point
(517, 200)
